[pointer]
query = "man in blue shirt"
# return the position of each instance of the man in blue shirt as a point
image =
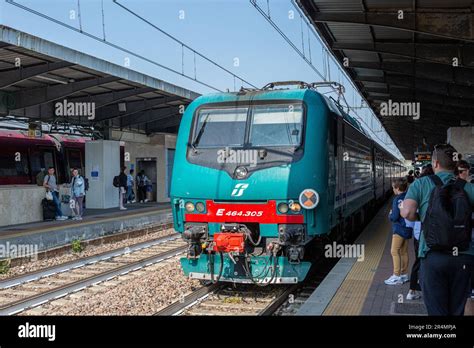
(444, 277)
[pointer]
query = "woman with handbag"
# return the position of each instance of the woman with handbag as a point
(52, 192)
(77, 194)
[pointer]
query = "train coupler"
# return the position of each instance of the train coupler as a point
(196, 236)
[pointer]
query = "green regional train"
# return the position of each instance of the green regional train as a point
(263, 178)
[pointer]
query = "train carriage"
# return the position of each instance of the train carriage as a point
(260, 175)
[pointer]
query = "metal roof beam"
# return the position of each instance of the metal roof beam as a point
(168, 122)
(455, 26)
(133, 107)
(148, 116)
(439, 88)
(46, 111)
(435, 53)
(10, 77)
(429, 71)
(30, 97)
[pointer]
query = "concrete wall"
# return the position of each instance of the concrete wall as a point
(142, 146)
(20, 204)
(462, 138)
(102, 158)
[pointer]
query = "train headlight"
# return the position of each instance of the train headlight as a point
(295, 207)
(283, 208)
(309, 198)
(240, 172)
(189, 207)
(200, 207)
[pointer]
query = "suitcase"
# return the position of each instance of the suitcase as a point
(49, 209)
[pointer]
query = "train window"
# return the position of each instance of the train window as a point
(220, 127)
(276, 125)
(35, 162)
(12, 164)
(74, 160)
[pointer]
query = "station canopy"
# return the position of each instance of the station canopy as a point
(36, 75)
(405, 51)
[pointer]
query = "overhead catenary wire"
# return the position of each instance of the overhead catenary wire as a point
(118, 47)
(180, 42)
(326, 76)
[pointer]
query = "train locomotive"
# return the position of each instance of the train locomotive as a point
(261, 177)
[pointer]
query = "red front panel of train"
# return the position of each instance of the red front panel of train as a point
(265, 213)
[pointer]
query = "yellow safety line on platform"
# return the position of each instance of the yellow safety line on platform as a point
(352, 293)
(82, 223)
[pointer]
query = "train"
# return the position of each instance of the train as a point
(22, 156)
(263, 177)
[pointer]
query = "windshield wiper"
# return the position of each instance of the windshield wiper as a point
(199, 135)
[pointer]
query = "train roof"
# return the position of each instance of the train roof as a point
(290, 94)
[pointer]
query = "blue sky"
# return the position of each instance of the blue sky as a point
(227, 32)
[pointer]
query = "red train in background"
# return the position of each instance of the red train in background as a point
(22, 157)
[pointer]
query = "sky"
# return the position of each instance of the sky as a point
(232, 33)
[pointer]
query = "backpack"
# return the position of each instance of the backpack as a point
(86, 184)
(116, 181)
(141, 181)
(448, 220)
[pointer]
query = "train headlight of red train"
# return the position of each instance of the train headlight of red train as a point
(309, 199)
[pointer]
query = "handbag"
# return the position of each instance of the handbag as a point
(49, 195)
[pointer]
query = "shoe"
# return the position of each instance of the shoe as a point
(128, 202)
(123, 208)
(393, 280)
(146, 200)
(61, 218)
(404, 278)
(133, 201)
(413, 295)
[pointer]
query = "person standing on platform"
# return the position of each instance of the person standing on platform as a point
(77, 194)
(49, 182)
(462, 172)
(122, 187)
(141, 186)
(130, 184)
(445, 246)
(413, 293)
(401, 235)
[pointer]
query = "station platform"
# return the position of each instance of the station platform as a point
(357, 287)
(95, 223)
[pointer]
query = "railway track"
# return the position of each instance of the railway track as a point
(230, 300)
(241, 299)
(34, 289)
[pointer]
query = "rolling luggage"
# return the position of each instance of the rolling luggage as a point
(49, 209)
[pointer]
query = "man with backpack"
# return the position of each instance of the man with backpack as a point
(445, 250)
(120, 181)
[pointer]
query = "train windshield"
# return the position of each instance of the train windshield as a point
(276, 125)
(269, 125)
(220, 127)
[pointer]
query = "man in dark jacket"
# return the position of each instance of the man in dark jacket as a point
(122, 187)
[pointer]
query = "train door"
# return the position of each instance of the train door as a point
(149, 166)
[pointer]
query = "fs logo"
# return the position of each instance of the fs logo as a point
(239, 190)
